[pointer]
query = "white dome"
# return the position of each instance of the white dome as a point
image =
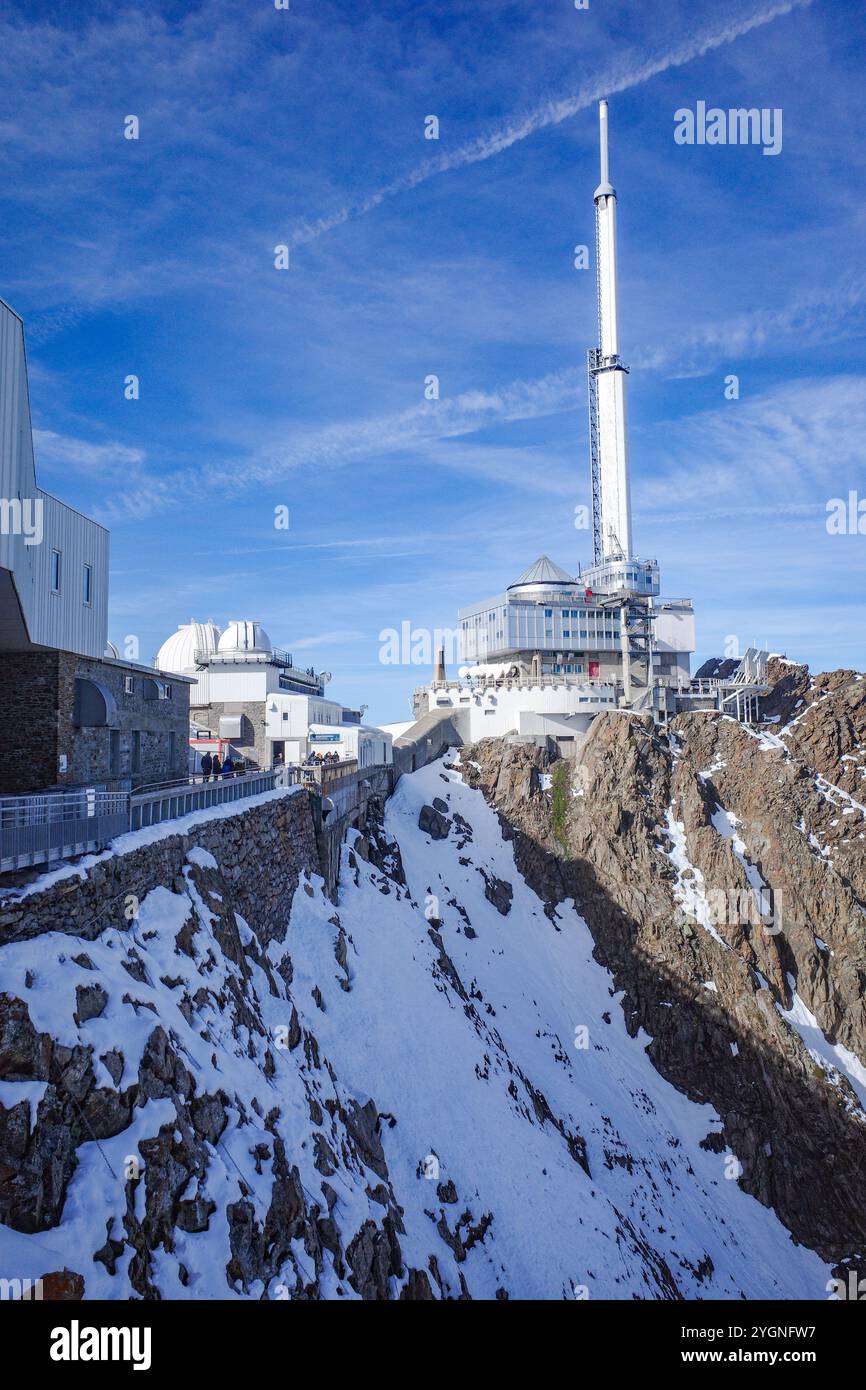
(177, 654)
(245, 637)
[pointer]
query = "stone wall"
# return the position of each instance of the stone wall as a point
(371, 791)
(262, 851)
(29, 700)
(37, 717)
(253, 743)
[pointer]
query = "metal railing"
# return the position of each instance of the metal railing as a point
(150, 806)
(42, 827)
(478, 684)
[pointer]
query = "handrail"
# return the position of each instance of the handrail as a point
(42, 827)
(481, 683)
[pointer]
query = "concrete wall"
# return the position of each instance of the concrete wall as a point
(429, 737)
(360, 796)
(37, 724)
(495, 710)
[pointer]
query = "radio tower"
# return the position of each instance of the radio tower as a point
(611, 510)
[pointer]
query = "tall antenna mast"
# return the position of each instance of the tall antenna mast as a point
(607, 375)
(602, 130)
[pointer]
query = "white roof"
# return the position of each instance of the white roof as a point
(245, 636)
(177, 653)
(544, 571)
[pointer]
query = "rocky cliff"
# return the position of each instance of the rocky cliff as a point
(722, 872)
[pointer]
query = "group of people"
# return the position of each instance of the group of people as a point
(313, 759)
(213, 767)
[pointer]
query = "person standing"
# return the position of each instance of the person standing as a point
(216, 767)
(228, 766)
(206, 765)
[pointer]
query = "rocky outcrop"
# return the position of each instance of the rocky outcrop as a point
(434, 823)
(722, 871)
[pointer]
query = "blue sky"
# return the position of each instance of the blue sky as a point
(305, 388)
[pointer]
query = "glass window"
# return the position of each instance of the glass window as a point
(88, 584)
(55, 571)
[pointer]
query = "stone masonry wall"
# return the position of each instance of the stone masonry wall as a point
(37, 714)
(262, 851)
(28, 720)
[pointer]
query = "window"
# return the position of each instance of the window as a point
(136, 751)
(129, 685)
(88, 585)
(168, 690)
(548, 612)
(55, 571)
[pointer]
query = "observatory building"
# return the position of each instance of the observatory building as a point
(558, 647)
(249, 699)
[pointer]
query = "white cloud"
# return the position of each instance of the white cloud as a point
(82, 455)
(551, 113)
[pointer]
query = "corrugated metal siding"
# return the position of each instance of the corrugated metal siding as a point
(55, 620)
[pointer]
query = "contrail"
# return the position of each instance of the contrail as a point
(548, 114)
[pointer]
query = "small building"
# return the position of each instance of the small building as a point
(250, 697)
(72, 711)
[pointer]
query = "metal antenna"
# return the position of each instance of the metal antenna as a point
(602, 124)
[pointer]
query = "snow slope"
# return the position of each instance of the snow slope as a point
(531, 1145)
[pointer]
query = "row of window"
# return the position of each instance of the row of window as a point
(57, 578)
(592, 614)
(165, 686)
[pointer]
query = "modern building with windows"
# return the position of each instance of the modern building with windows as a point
(72, 711)
(551, 623)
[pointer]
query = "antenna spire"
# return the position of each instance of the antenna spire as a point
(602, 123)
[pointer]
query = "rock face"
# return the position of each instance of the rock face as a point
(722, 872)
